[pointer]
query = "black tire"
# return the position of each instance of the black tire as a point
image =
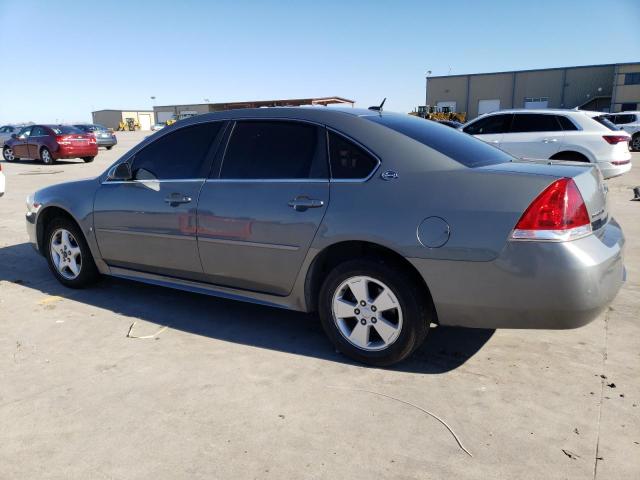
(109, 148)
(88, 270)
(634, 145)
(46, 157)
(416, 311)
(7, 156)
(88, 159)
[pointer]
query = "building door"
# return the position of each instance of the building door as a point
(145, 121)
(536, 102)
(488, 106)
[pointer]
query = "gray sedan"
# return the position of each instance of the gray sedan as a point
(382, 223)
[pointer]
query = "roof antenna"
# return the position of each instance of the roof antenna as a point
(379, 107)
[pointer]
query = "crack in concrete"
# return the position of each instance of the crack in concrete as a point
(603, 379)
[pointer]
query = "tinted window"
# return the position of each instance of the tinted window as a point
(274, 150)
(604, 120)
(462, 148)
(489, 125)
(178, 155)
(623, 119)
(632, 78)
(349, 160)
(66, 130)
(39, 131)
(625, 107)
(566, 123)
(25, 132)
(532, 122)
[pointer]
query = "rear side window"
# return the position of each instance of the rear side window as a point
(274, 150)
(566, 123)
(604, 120)
(177, 156)
(532, 122)
(459, 147)
(623, 119)
(492, 124)
(39, 132)
(349, 161)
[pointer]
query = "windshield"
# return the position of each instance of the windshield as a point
(456, 145)
(65, 130)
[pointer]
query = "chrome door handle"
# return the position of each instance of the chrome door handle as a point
(300, 204)
(177, 198)
(549, 140)
(494, 141)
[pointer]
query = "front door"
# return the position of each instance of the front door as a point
(257, 219)
(21, 145)
(149, 223)
(37, 138)
(533, 135)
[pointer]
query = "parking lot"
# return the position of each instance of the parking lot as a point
(233, 390)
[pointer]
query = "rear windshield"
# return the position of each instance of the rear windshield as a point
(65, 129)
(456, 145)
(602, 119)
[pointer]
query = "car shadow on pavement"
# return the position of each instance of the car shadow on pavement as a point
(298, 333)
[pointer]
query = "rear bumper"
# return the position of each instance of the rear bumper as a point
(610, 170)
(76, 151)
(107, 142)
(531, 284)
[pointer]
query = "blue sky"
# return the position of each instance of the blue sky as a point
(69, 58)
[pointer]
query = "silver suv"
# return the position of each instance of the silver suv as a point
(630, 123)
(384, 224)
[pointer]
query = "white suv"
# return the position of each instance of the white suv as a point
(630, 123)
(576, 135)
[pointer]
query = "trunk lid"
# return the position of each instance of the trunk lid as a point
(586, 176)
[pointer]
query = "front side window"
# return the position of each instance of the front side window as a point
(532, 122)
(177, 156)
(349, 161)
(25, 132)
(38, 132)
(492, 124)
(274, 150)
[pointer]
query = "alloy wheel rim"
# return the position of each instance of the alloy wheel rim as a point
(46, 156)
(8, 154)
(367, 313)
(65, 254)
(636, 143)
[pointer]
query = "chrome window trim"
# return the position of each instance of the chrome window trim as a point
(267, 180)
(164, 180)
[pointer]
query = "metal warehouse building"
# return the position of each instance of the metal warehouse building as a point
(612, 87)
(112, 118)
(178, 112)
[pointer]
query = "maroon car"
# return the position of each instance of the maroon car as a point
(50, 143)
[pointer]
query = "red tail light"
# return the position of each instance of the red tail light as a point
(557, 214)
(92, 139)
(63, 140)
(614, 139)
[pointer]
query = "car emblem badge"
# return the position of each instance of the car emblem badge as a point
(389, 175)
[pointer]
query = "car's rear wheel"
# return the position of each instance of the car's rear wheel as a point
(373, 312)
(109, 148)
(68, 254)
(635, 143)
(8, 155)
(46, 157)
(88, 159)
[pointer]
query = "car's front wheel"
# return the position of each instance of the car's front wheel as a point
(374, 312)
(8, 155)
(68, 254)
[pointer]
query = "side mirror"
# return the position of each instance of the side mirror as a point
(14, 136)
(121, 172)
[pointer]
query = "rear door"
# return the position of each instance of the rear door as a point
(259, 214)
(533, 135)
(490, 129)
(149, 223)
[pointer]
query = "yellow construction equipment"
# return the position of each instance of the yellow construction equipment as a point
(129, 124)
(435, 113)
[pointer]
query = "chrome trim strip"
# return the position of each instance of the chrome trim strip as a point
(146, 234)
(267, 180)
(245, 243)
(164, 180)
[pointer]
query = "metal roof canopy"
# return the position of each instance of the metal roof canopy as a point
(291, 102)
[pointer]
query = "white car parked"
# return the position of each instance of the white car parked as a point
(630, 123)
(1, 181)
(576, 135)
